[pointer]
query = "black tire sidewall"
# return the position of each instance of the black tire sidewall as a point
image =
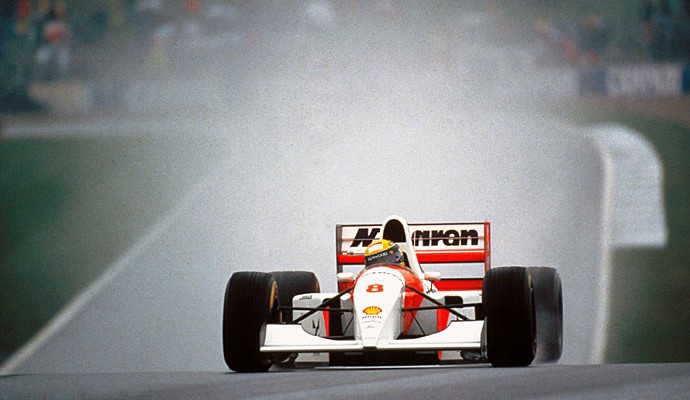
(251, 301)
(510, 317)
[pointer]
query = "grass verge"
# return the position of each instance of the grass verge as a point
(70, 206)
(651, 287)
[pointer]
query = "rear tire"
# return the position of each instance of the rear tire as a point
(251, 301)
(548, 297)
(510, 317)
(291, 284)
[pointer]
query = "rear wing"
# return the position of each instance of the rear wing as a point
(446, 243)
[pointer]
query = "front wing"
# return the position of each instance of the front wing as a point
(459, 335)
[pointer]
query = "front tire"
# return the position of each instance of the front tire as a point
(510, 317)
(548, 296)
(291, 284)
(251, 301)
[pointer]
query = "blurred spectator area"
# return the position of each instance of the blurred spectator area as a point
(612, 30)
(64, 43)
(106, 46)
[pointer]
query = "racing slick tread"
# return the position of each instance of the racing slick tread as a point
(510, 317)
(251, 299)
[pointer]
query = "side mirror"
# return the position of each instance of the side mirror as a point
(346, 277)
(432, 276)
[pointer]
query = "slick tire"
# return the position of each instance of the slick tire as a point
(291, 284)
(510, 317)
(251, 301)
(548, 297)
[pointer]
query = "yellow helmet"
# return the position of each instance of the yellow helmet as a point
(384, 252)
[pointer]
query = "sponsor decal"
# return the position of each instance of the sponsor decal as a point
(450, 237)
(375, 257)
(364, 237)
(643, 80)
(372, 310)
(432, 237)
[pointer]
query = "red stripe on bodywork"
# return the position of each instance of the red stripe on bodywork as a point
(431, 258)
(459, 284)
(327, 322)
(442, 316)
(487, 246)
(344, 285)
(451, 257)
(412, 299)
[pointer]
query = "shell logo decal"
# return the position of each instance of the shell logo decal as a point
(372, 310)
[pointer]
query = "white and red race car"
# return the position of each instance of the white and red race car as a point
(393, 315)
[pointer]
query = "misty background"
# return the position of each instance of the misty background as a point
(191, 139)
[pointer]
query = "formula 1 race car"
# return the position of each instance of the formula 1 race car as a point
(389, 311)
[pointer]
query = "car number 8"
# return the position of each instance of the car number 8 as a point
(375, 288)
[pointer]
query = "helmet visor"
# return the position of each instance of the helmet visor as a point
(389, 256)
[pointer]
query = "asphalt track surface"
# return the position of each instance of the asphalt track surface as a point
(624, 381)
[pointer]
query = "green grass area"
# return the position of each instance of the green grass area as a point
(69, 207)
(651, 287)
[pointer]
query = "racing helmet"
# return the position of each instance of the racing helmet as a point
(383, 252)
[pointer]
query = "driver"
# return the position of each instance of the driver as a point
(383, 252)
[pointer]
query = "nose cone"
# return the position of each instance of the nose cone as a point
(377, 299)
